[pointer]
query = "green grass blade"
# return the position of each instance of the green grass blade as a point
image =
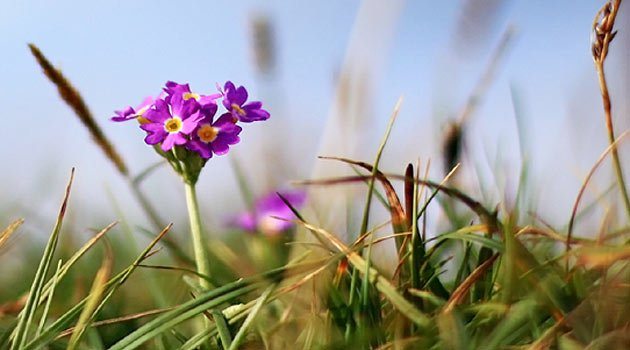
(35, 293)
(512, 326)
(55, 281)
(63, 271)
(469, 237)
(139, 178)
(183, 313)
(452, 331)
(381, 283)
(206, 301)
(379, 153)
(240, 335)
(222, 327)
(65, 320)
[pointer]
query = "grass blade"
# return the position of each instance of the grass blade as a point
(55, 281)
(95, 297)
(73, 259)
(381, 283)
(203, 302)
(35, 293)
(222, 328)
(66, 319)
(8, 232)
(240, 335)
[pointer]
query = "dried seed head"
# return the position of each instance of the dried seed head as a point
(72, 97)
(263, 43)
(452, 145)
(602, 33)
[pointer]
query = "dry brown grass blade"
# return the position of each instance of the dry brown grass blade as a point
(476, 22)
(548, 233)
(590, 174)
(96, 293)
(601, 256)
(263, 42)
(452, 142)
(120, 319)
(409, 194)
(8, 232)
(461, 291)
(381, 283)
(72, 97)
(486, 78)
(13, 307)
(488, 218)
(397, 212)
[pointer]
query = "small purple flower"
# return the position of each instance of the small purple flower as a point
(214, 137)
(267, 210)
(170, 122)
(207, 103)
(181, 117)
(234, 101)
(130, 113)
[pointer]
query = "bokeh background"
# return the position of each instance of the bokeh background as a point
(333, 73)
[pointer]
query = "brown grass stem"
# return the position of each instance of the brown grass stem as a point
(583, 188)
(73, 99)
(603, 34)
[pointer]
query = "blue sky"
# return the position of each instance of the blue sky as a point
(118, 52)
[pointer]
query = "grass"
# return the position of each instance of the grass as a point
(487, 276)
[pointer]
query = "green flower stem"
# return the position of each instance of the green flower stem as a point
(201, 254)
(199, 245)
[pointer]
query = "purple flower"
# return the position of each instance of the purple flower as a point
(234, 101)
(207, 103)
(214, 137)
(130, 113)
(267, 210)
(181, 117)
(170, 122)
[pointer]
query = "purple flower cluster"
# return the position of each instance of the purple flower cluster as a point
(270, 214)
(181, 117)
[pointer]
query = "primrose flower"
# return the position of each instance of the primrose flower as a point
(214, 137)
(182, 120)
(130, 113)
(207, 103)
(170, 122)
(269, 212)
(234, 101)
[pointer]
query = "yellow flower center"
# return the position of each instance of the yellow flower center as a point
(238, 109)
(188, 95)
(173, 125)
(141, 119)
(207, 133)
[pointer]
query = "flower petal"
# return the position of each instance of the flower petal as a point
(155, 137)
(153, 127)
(219, 147)
(204, 150)
(159, 112)
(126, 114)
(244, 221)
(189, 124)
(169, 142)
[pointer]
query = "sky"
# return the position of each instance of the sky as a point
(118, 52)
